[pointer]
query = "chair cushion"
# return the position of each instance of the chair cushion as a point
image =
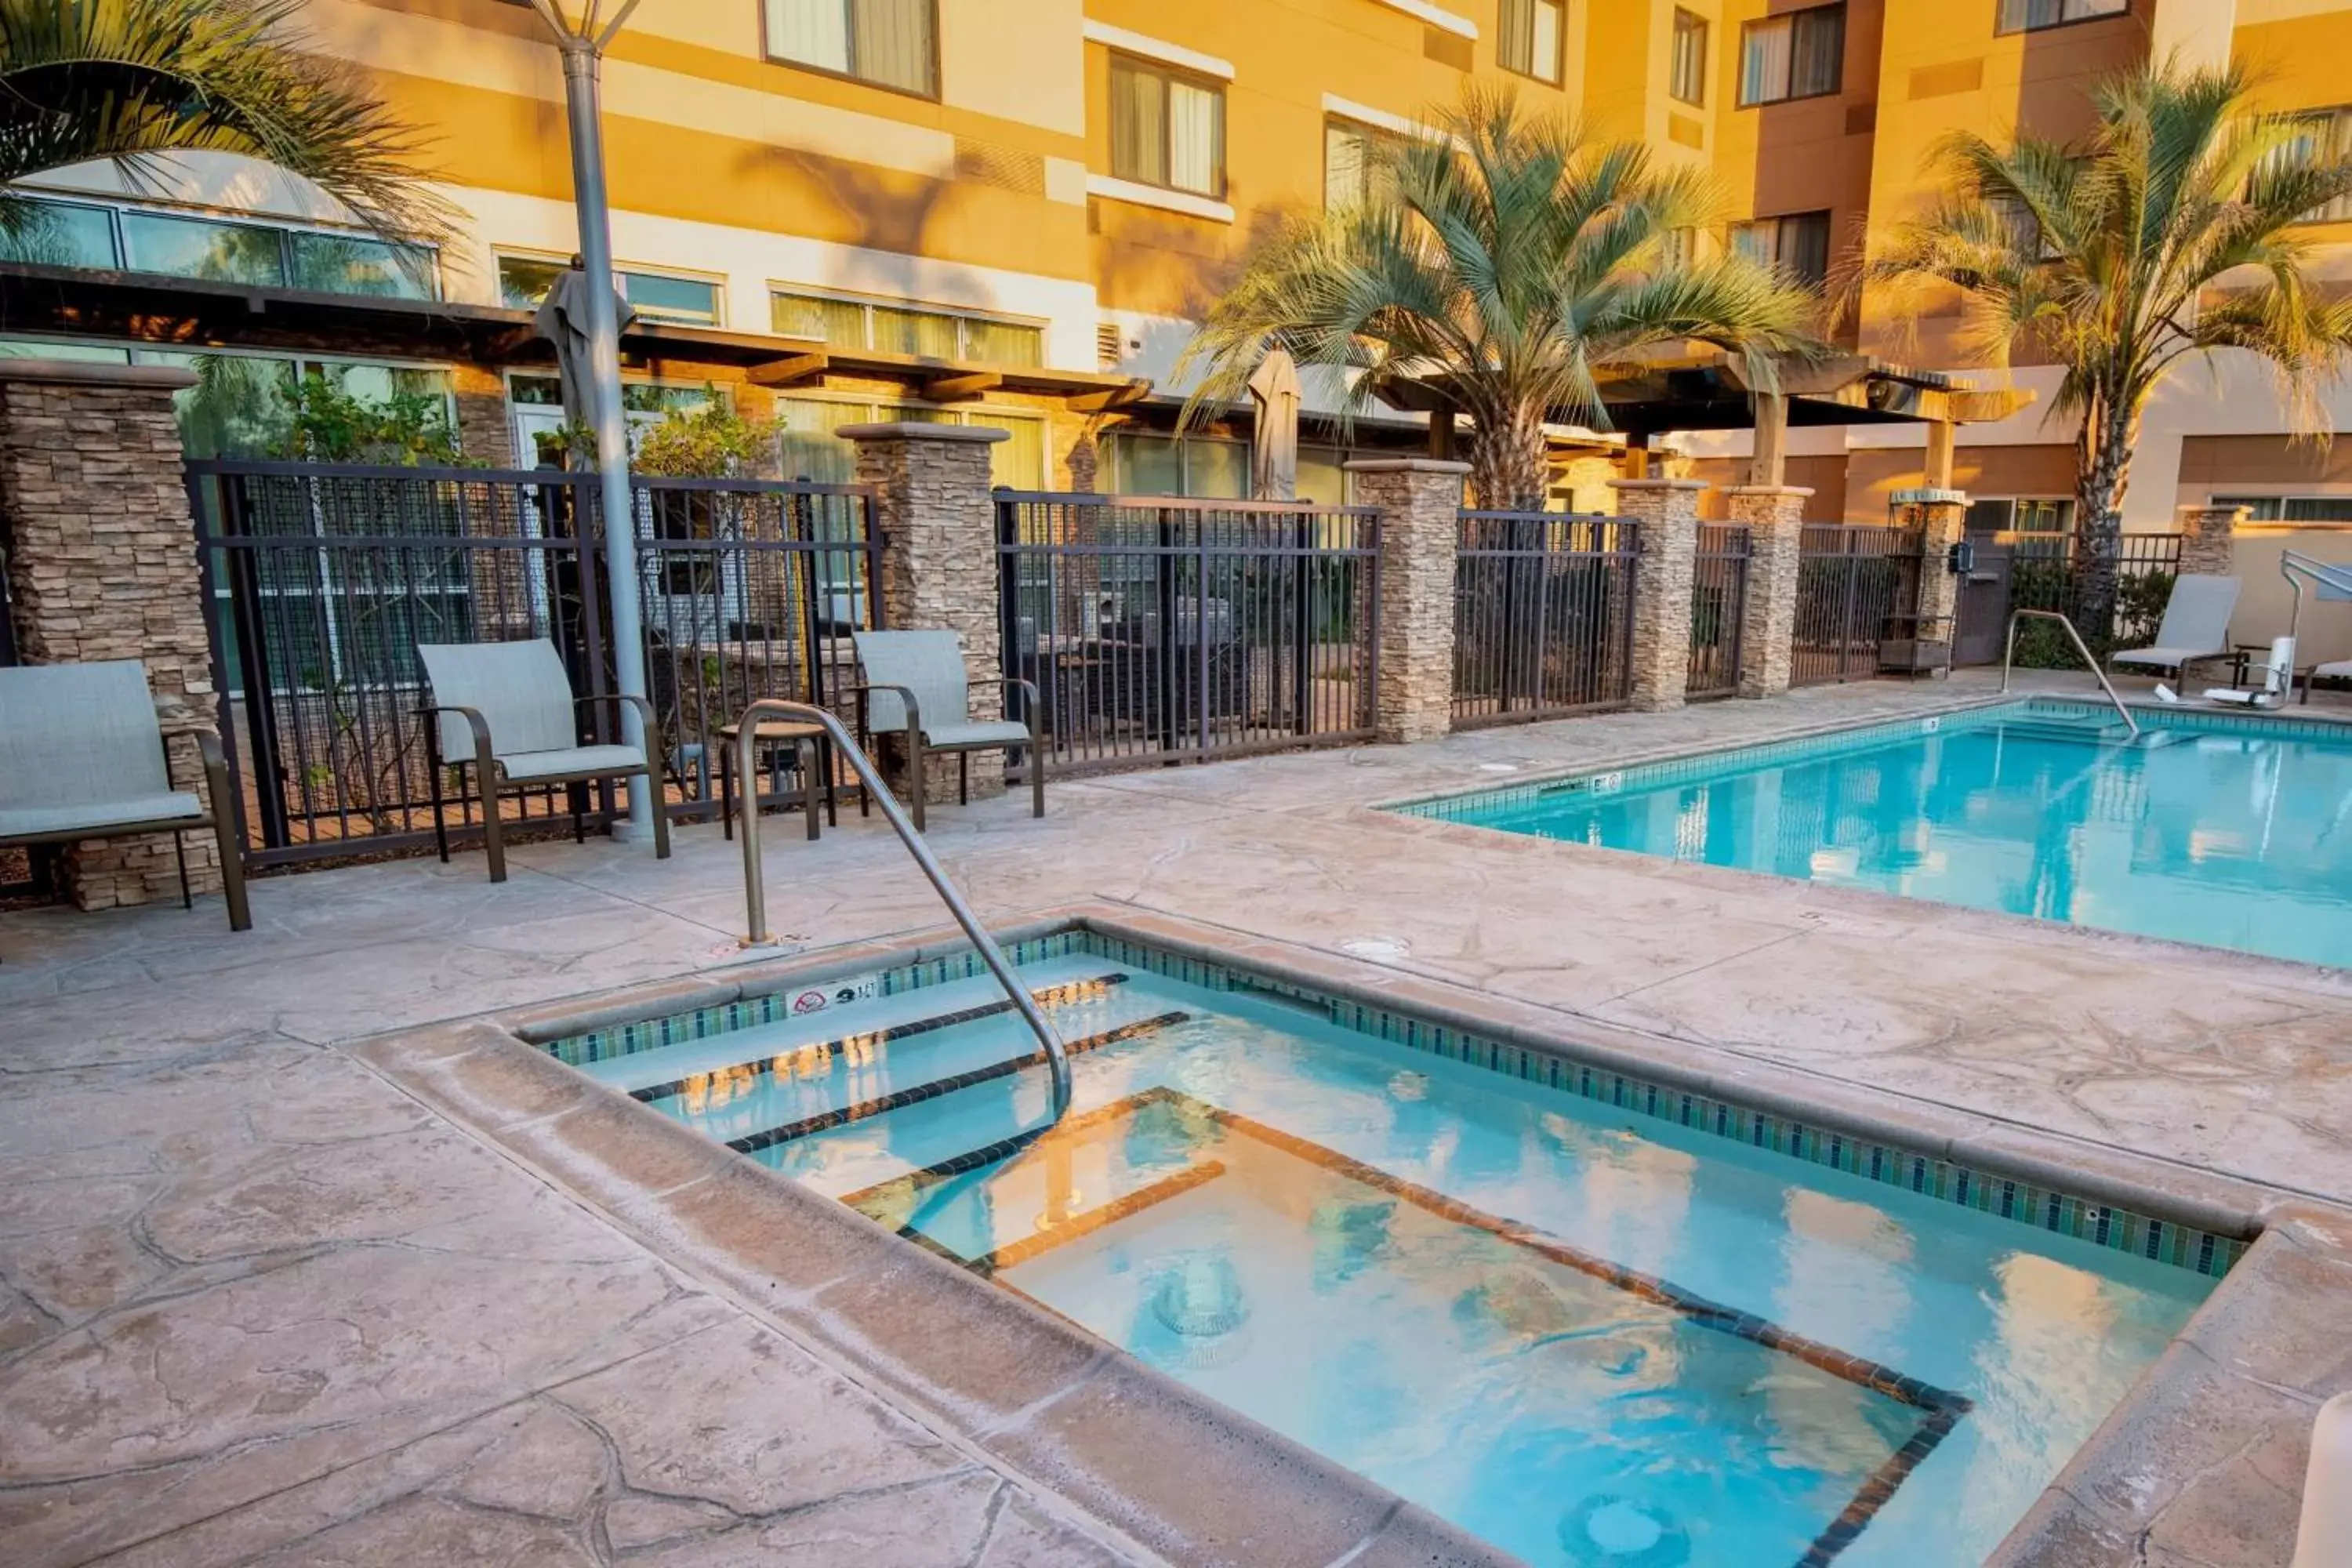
(570, 760)
(928, 663)
(2167, 657)
(982, 733)
(519, 689)
(79, 738)
(26, 821)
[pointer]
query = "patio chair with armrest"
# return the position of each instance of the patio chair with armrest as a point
(506, 710)
(2196, 625)
(83, 756)
(915, 686)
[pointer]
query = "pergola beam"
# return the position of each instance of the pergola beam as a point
(790, 371)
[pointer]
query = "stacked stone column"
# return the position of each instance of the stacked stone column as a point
(1667, 513)
(102, 565)
(2208, 539)
(1775, 519)
(1941, 518)
(932, 503)
(1420, 503)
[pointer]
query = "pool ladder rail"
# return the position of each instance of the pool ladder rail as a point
(755, 892)
(2009, 654)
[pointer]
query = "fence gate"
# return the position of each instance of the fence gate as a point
(1850, 582)
(1168, 629)
(1543, 615)
(2044, 571)
(323, 579)
(1718, 605)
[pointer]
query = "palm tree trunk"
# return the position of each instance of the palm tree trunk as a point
(2102, 476)
(1508, 468)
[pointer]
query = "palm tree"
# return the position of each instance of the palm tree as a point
(2170, 232)
(131, 81)
(1505, 266)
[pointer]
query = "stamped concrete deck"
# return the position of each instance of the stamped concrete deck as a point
(259, 1301)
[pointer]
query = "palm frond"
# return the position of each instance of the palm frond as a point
(133, 81)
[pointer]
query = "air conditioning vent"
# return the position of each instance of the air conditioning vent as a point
(1110, 345)
(1008, 168)
(1446, 49)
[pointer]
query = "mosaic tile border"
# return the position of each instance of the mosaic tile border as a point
(1474, 804)
(2024, 1203)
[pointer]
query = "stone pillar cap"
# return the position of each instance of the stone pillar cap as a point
(1404, 466)
(1657, 484)
(96, 373)
(914, 430)
(2233, 507)
(1930, 496)
(1800, 492)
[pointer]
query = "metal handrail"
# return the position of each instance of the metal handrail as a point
(2010, 652)
(755, 892)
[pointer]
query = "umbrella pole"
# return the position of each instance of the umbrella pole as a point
(581, 102)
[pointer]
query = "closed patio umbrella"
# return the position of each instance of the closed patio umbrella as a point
(562, 319)
(1274, 447)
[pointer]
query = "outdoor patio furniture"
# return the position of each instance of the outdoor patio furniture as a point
(506, 709)
(811, 748)
(83, 756)
(2196, 625)
(915, 686)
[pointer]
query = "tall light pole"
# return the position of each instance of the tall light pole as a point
(582, 49)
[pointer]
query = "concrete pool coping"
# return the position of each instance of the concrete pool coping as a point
(2220, 1419)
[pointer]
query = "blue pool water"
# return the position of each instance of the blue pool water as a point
(2219, 832)
(1597, 1338)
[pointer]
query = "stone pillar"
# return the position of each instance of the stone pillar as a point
(1775, 519)
(1667, 512)
(102, 565)
(937, 520)
(485, 430)
(1420, 503)
(1941, 517)
(2208, 539)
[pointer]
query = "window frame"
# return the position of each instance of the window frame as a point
(934, 94)
(963, 316)
(1789, 18)
(2333, 124)
(1144, 64)
(1687, 21)
(1558, 79)
(2023, 27)
(1364, 130)
(621, 272)
(1777, 220)
(286, 230)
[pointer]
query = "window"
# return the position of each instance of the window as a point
(1800, 55)
(1354, 161)
(2025, 16)
(2292, 509)
(1167, 128)
(890, 43)
(268, 256)
(524, 280)
(1145, 464)
(1687, 78)
(931, 331)
(2323, 136)
(1530, 38)
(1799, 245)
(2020, 514)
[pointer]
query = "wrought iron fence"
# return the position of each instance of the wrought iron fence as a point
(1718, 606)
(1163, 629)
(1543, 615)
(2047, 570)
(1850, 580)
(324, 579)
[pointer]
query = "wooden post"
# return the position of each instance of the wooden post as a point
(1768, 467)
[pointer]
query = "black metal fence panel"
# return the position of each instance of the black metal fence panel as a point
(2046, 572)
(1718, 606)
(323, 580)
(1851, 582)
(1543, 615)
(1164, 629)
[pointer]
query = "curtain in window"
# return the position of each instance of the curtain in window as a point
(894, 43)
(1804, 246)
(1688, 81)
(1343, 165)
(1544, 57)
(1817, 62)
(807, 447)
(898, 332)
(1138, 124)
(840, 322)
(814, 32)
(1003, 343)
(1516, 44)
(1193, 137)
(1018, 463)
(1753, 240)
(1764, 63)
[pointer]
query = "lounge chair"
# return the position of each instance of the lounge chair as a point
(506, 709)
(915, 686)
(83, 756)
(2196, 626)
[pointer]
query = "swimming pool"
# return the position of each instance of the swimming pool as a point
(1594, 1320)
(2213, 828)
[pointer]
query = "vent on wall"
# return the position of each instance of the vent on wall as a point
(1110, 345)
(1446, 49)
(1861, 119)
(1006, 168)
(1953, 76)
(1682, 128)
